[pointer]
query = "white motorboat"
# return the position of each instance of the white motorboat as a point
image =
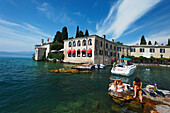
(122, 68)
(99, 66)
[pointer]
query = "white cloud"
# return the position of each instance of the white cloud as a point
(19, 37)
(160, 37)
(57, 16)
(122, 15)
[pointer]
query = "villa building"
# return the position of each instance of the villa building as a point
(148, 51)
(96, 49)
(93, 49)
(42, 50)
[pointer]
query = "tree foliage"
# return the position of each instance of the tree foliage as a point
(60, 36)
(59, 56)
(119, 43)
(81, 33)
(156, 43)
(143, 41)
(168, 42)
(86, 33)
(149, 43)
(57, 37)
(56, 46)
(64, 34)
(77, 32)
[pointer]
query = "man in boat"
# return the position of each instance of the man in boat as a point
(137, 86)
(114, 64)
(118, 85)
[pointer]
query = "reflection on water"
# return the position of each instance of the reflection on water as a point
(28, 86)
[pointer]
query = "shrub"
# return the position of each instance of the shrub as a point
(54, 60)
(56, 46)
(59, 56)
(33, 56)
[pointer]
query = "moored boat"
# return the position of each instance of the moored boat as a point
(124, 67)
(99, 66)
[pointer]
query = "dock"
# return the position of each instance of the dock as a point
(84, 67)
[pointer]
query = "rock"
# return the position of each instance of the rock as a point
(163, 108)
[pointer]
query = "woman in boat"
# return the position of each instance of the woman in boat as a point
(137, 86)
(118, 85)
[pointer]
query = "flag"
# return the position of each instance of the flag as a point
(48, 39)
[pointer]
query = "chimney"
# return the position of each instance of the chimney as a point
(42, 41)
(104, 36)
(113, 40)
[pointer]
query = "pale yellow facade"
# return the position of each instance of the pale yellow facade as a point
(103, 51)
(157, 51)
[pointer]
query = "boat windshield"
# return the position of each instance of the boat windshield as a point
(121, 64)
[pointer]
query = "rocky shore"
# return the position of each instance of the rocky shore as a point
(151, 104)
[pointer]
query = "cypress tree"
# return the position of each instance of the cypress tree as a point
(149, 43)
(57, 37)
(143, 41)
(168, 42)
(155, 43)
(64, 34)
(86, 33)
(81, 33)
(77, 32)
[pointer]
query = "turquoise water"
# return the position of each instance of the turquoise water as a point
(28, 86)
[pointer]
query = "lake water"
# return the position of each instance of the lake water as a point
(28, 86)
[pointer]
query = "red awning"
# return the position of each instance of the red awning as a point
(89, 51)
(84, 50)
(69, 51)
(73, 51)
(78, 49)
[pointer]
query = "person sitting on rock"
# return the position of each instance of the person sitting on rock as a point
(137, 86)
(118, 85)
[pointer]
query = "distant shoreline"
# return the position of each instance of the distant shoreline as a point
(18, 56)
(153, 65)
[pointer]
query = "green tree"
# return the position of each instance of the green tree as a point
(149, 43)
(64, 34)
(81, 33)
(56, 46)
(143, 41)
(57, 37)
(155, 43)
(168, 42)
(77, 32)
(119, 43)
(86, 33)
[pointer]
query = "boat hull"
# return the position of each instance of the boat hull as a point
(127, 71)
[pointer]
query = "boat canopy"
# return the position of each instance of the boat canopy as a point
(128, 59)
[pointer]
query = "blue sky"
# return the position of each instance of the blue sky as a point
(23, 23)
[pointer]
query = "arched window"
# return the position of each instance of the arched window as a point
(84, 43)
(78, 53)
(78, 43)
(96, 43)
(106, 45)
(84, 53)
(110, 46)
(100, 43)
(89, 52)
(90, 42)
(69, 44)
(74, 43)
